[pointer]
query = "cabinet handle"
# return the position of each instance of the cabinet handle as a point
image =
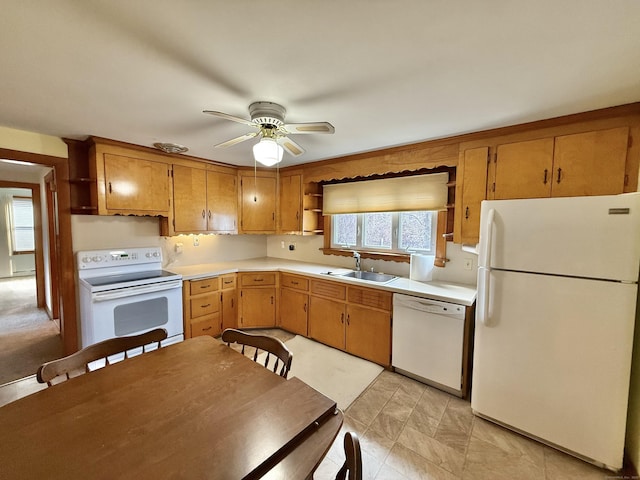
(205, 306)
(546, 174)
(109, 187)
(232, 303)
(294, 283)
(348, 315)
(304, 308)
(342, 318)
(272, 300)
(205, 286)
(273, 215)
(207, 328)
(258, 279)
(297, 215)
(203, 214)
(209, 214)
(466, 213)
(559, 174)
(227, 282)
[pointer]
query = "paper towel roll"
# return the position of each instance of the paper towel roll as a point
(421, 267)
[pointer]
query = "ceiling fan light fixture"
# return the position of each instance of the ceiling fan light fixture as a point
(268, 152)
(170, 147)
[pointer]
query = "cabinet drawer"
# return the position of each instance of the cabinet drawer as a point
(204, 305)
(293, 281)
(203, 286)
(370, 298)
(206, 326)
(328, 289)
(228, 282)
(257, 279)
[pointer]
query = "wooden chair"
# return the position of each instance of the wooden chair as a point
(270, 345)
(80, 360)
(353, 462)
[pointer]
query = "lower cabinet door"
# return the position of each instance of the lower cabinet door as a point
(368, 334)
(257, 307)
(293, 311)
(326, 321)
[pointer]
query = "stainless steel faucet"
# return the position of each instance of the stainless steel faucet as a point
(356, 255)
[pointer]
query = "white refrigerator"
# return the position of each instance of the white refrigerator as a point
(556, 309)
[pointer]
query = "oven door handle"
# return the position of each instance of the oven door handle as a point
(132, 291)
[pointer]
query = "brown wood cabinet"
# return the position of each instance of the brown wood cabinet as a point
(201, 307)
(129, 185)
(203, 201)
(229, 298)
(257, 200)
(354, 319)
(294, 303)
(589, 163)
(290, 204)
(257, 302)
(471, 190)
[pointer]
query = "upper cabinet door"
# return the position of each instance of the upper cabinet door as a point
(189, 199)
(258, 204)
(291, 204)
(591, 163)
(524, 169)
(136, 185)
(222, 202)
(473, 176)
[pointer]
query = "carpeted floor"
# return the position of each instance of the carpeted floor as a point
(27, 337)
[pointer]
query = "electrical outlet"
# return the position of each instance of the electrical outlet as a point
(468, 263)
(282, 244)
(178, 247)
(196, 241)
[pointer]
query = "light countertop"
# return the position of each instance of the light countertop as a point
(448, 292)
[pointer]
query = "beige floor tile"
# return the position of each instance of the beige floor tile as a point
(415, 467)
(388, 473)
(433, 450)
(511, 442)
(560, 466)
(367, 406)
(485, 461)
(376, 444)
(387, 426)
(423, 422)
(327, 470)
(411, 387)
(400, 405)
(433, 403)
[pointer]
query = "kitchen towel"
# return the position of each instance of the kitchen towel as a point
(421, 267)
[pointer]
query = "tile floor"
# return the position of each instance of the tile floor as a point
(408, 430)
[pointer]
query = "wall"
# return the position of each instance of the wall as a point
(307, 249)
(92, 232)
(32, 142)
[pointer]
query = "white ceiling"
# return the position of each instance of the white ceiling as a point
(383, 72)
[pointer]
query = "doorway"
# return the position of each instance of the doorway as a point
(29, 294)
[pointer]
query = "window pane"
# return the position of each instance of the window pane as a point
(345, 229)
(415, 230)
(377, 230)
(22, 219)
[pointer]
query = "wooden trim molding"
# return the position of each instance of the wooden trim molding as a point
(68, 321)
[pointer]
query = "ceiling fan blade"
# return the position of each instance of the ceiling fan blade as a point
(290, 146)
(226, 116)
(312, 127)
(236, 140)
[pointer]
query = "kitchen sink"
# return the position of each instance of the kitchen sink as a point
(370, 276)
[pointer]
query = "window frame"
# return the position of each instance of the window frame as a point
(396, 226)
(14, 250)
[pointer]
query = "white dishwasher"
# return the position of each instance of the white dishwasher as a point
(428, 341)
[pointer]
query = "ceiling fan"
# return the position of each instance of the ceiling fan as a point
(268, 119)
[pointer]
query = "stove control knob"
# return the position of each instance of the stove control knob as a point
(156, 254)
(97, 258)
(86, 260)
(148, 255)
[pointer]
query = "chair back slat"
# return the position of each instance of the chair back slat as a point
(353, 462)
(102, 350)
(265, 343)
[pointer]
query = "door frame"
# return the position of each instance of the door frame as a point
(67, 284)
(37, 235)
(54, 245)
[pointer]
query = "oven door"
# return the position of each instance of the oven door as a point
(134, 310)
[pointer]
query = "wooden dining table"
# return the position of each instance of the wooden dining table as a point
(193, 410)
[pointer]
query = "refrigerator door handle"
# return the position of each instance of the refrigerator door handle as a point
(486, 240)
(484, 288)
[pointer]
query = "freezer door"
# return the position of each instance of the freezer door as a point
(592, 237)
(556, 359)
